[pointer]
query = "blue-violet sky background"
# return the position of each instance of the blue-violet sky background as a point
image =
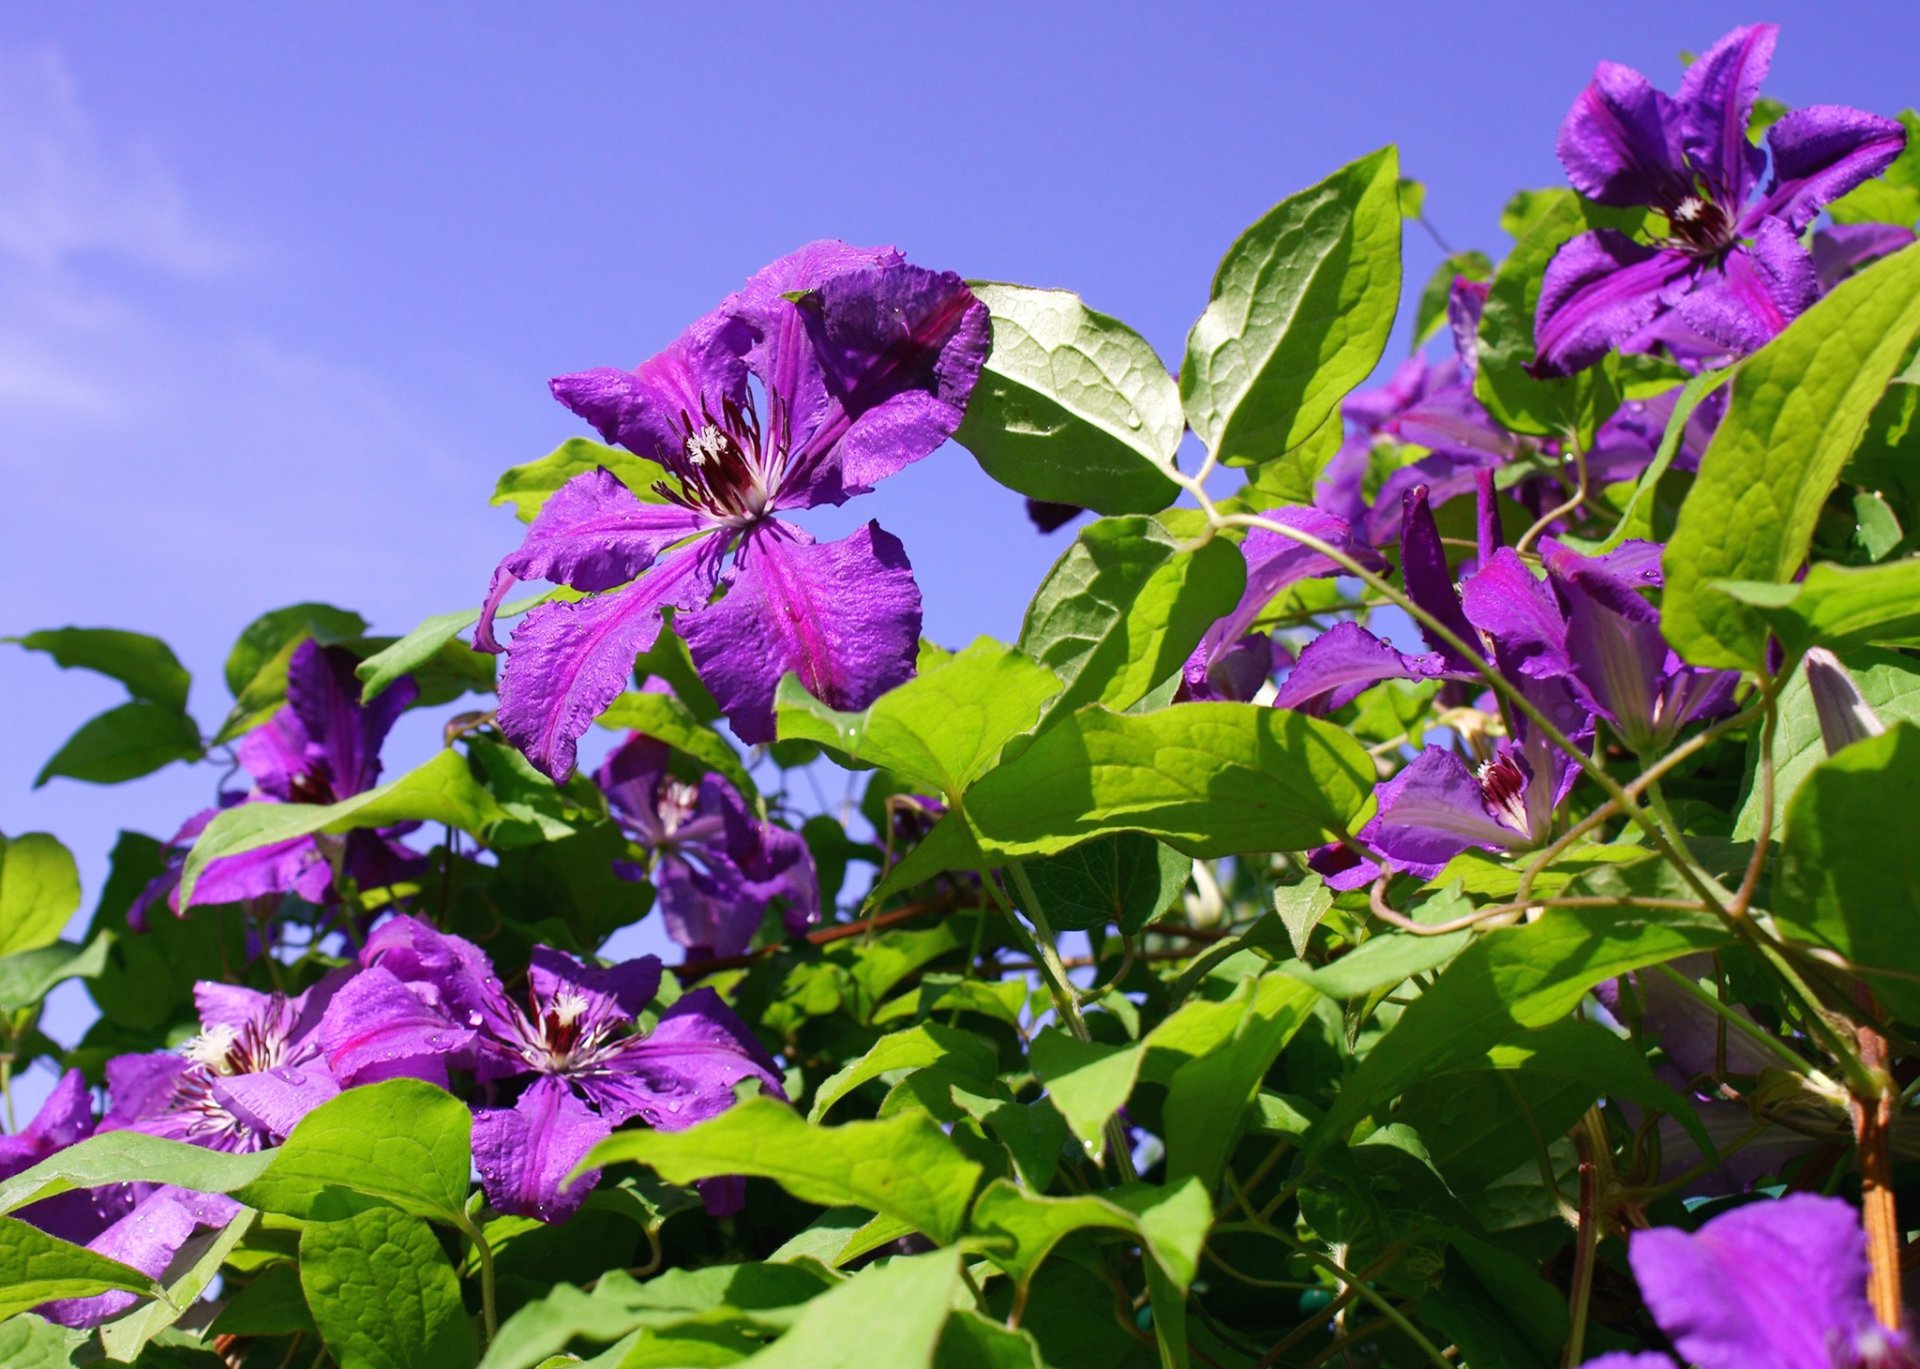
(281, 285)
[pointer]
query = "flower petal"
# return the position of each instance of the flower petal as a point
(647, 410)
(844, 616)
(1428, 580)
(524, 1153)
(294, 866)
(139, 1086)
(1819, 154)
(1275, 561)
(1432, 811)
(65, 1117)
(1601, 289)
(273, 1101)
(1335, 667)
(1505, 601)
(378, 1027)
(614, 994)
(146, 1239)
(1771, 1285)
(1841, 249)
(342, 734)
(568, 661)
(684, 1071)
(1621, 141)
(1716, 101)
(1755, 293)
(1617, 665)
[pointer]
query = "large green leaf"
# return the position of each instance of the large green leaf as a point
(1210, 779)
(1838, 607)
(1021, 1228)
(37, 1268)
(124, 743)
(29, 1342)
(940, 730)
(1208, 1096)
(1124, 880)
(271, 634)
(125, 1157)
(420, 647)
(401, 1144)
(443, 790)
(1299, 314)
(39, 890)
(145, 665)
(528, 487)
(1850, 869)
(960, 1053)
(1888, 681)
(1072, 406)
(902, 1167)
(1799, 407)
(665, 717)
(27, 976)
(901, 1305)
(1125, 606)
(1505, 983)
(125, 1337)
(383, 1293)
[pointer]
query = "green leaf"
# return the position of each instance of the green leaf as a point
(1208, 1096)
(125, 1337)
(1021, 1228)
(26, 976)
(1210, 779)
(940, 730)
(1894, 195)
(528, 487)
(1505, 983)
(906, 1300)
(1072, 406)
(145, 665)
(1299, 315)
(39, 891)
(1431, 315)
(1543, 408)
(1300, 908)
(401, 1143)
(972, 1341)
(28, 1342)
(665, 718)
(1850, 870)
(1124, 880)
(1290, 478)
(37, 1268)
(419, 648)
(958, 1052)
(903, 1167)
(1124, 607)
(149, 976)
(271, 634)
(1888, 681)
(125, 743)
(1636, 519)
(1799, 408)
(383, 1293)
(270, 1304)
(122, 1157)
(443, 790)
(1838, 607)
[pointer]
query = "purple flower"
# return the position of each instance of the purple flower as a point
(1731, 270)
(1771, 1285)
(585, 1070)
(829, 370)
(1843, 248)
(715, 866)
(322, 747)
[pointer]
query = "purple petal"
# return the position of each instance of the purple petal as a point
(146, 1239)
(769, 860)
(1428, 580)
(568, 661)
(1819, 154)
(702, 907)
(1617, 666)
(1621, 141)
(614, 994)
(1445, 474)
(1275, 561)
(1432, 811)
(647, 410)
(1049, 515)
(1412, 380)
(1452, 420)
(524, 1153)
(343, 735)
(275, 753)
(1339, 488)
(65, 1117)
(1716, 101)
(294, 866)
(274, 1101)
(1505, 601)
(1755, 293)
(843, 616)
(1466, 302)
(1346, 659)
(1687, 1029)
(1771, 1285)
(140, 1086)
(1234, 672)
(1843, 248)
(379, 1027)
(1486, 517)
(684, 1071)
(1632, 1359)
(1600, 290)
(594, 534)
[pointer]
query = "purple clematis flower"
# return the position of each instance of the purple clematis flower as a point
(322, 747)
(1843, 248)
(1771, 1285)
(829, 370)
(716, 867)
(585, 1070)
(1731, 269)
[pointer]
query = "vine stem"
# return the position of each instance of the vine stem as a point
(489, 1312)
(1589, 1139)
(1873, 1134)
(1350, 1280)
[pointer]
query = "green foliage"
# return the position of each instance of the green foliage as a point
(1838, 607)
(384, 1294)
(528, 487)
(1125, 880)
(145, 665)
(39, 890)
(37, 1268)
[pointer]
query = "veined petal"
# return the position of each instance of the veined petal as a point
(377, 1027)
(1617, 666)
(1446, 475)
(1756, 292)
(273, 1101)
(612, 994)
(568, 661)
(1716, 101)
(1621, 143)
(1435, 803)
(1429, 582)
(647, 410)
(1601, 289)
(1772, 1285)
(294, 866)
(1841, 249)
(770, 861)
(594, 534)
(342, 734)
(145, 1239)
(275, 753)
(684, 1071)
(524, 1153)
(1466, 302)
(1275, 561)
(1505, 601)
(1335, 667)
(1412, 380)
(138, 1086)
(844, 616)
(1819, 154)
(65, 1117)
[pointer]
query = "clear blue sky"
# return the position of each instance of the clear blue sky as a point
(281, 285)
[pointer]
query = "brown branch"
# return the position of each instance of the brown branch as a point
(823, 936)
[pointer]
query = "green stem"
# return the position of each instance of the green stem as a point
(6, 1087)
(489, 1313)
(1351, 1280)
(1725, 1012)
(1580, 1297)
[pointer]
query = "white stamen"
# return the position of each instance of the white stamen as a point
(709, 444)
(211, 1047)
(568, 1005)
(1689, 209)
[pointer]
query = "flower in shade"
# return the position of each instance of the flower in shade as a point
(1771, 1285)
(715, 866)
(570, 1046)
(322, 747)
(829, 370)
(1730, 270)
